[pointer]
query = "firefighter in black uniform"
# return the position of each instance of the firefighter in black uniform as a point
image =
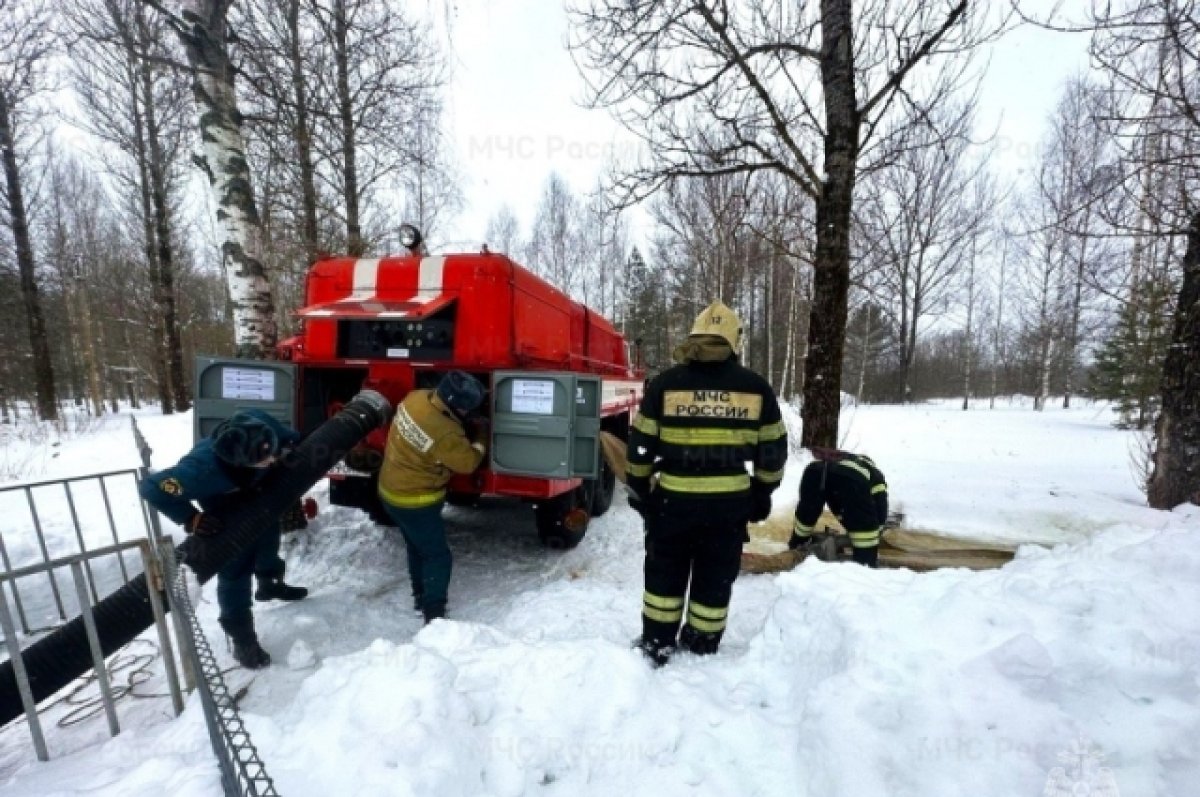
(856, 492)
(699, 423)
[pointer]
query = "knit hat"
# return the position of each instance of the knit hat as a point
(244, 440)
(717, 319)
(460, 391)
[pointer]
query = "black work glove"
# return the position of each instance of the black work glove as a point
(798, 543)
(760, 504)
(203, 524)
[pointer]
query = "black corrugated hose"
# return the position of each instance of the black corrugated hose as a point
(61, 657)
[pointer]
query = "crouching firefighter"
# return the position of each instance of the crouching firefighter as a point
(699, 423)
(220, 472)
(856, 493)
(427, 443)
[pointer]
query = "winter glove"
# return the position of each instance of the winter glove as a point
(760, 504)
(798, 543)
(760, 508)
(203, 524)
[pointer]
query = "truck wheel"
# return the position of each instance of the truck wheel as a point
(563, 520)
(462, 499)
(603, 489)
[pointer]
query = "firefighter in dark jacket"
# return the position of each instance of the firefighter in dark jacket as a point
(699, 423)
(856, 493)
(218, 473)
(426, 445)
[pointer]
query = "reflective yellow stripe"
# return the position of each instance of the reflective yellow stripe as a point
(708, 437)
(411, 500)
(768, 476)
(705, 484)
(801, 529)
(662, 616)
(854, 466)
(864, 539)
(708, 612)
(636, 469)
(879, 488)
(662, 601)
(647, 426)
(708, 626)
(772, 431)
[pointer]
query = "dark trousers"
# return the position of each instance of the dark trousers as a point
(702, 549)
(233, 580)
(429, 557)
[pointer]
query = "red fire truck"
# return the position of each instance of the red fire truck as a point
(398, 323)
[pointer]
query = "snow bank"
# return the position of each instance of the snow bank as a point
(1075, 667)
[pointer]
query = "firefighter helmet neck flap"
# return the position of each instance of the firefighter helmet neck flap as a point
(243, 440)
(718, 319)
(460, 391)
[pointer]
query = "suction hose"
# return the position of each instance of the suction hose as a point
(61, 657)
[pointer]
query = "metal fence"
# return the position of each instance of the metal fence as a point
(242, 771)
(82, 583)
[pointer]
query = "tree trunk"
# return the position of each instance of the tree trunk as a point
(967, 339)
(228, 173)
(303, 135)
(831, 269)
(354, 242)
(165, 286)
(1176, 476)
(866, 353)
(166, 397)
(39, 345)
(88, 339)
(1076, 311)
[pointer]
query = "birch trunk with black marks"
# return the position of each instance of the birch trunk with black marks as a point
(205, 39)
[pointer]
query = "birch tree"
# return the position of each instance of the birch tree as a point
(203, 30)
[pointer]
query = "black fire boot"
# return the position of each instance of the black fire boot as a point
(658, 653)
(246, 649)
(271, 587)
(433, 612)
(702, 643)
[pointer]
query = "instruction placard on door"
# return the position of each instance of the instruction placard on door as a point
(535, 396)
(247, 383)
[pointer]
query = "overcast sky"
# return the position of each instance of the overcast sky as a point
(515, 106)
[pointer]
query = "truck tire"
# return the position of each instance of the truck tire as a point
(468, 500)
(551, 514)
(603, 489)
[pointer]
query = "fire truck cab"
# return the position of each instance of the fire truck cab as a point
(398, 323)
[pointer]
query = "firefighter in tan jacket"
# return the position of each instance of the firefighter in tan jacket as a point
(427, 444)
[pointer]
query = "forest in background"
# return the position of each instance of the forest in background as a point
(840, 198)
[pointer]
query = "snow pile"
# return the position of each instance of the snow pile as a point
(857, 683)
(1075, 667)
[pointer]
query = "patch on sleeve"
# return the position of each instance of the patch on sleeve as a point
(171, 486)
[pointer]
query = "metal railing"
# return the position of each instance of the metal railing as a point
(77, 565)
(242, 770)
(149, 526)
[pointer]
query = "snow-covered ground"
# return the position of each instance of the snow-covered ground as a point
(1070, 668)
